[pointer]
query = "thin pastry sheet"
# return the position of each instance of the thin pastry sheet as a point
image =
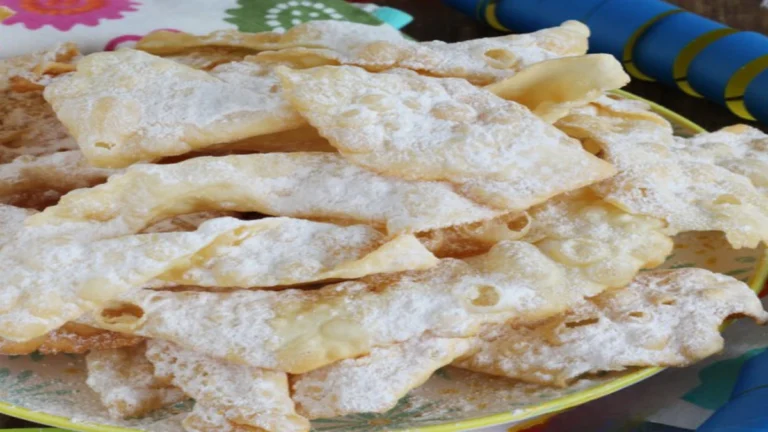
(480, 61)
(740, 149)
(54, 276)
(29, 127)
(320, 186)
(659, 178)
(597, 240)
(39, 67)
(129, 106)
(278, 252)
(126, 383)
(552, 88)
(38, 181)
(663, 318)
(318, 34)
(375, 382)
(71, 338)
(301, 330)
(405, 125)
(227, 396)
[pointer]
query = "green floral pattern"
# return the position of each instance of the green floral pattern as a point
(278, 15)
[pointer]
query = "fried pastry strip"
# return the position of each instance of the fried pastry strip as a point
(29, 127)
(480, 61)
(227, 396)
(52, 277)
(659, 178)
(740, 149)
(320, 186)
(71, 338)
(553, 87)
(275, 252)
(375, 382)
(129, 106)
(405, 125)
(297, 331)
(597, 240)
(663, 318)
(321, 34)
(60, 278)
(43, 179)
(591, 237)
(37, 68)
(126, 382)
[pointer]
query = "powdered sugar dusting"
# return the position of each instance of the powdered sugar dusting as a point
(227, 393)
(37, 181)
(481, 61)
(28, 126)
(319, 186)
(402, 124)
(297, 331)
(376, 382)
(275, 252)
(663, 318)
(129, 106)
(126, 383)
(658, 179)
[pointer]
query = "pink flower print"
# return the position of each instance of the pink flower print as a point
(65, 14)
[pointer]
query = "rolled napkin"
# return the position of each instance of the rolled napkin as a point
(745, 412)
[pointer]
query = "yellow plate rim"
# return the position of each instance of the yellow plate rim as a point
(556, 405)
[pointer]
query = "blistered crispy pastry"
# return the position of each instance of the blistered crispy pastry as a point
(48, 176)
(663, 318)
(297, 331)
(319, 34)
(38, 67)
(129, 106)
(589, 236)
(604, 244)
(227, 395)
(306, 185)
(275, 252)
(126, 383)
(481, 61)
(71, 338)
(740, 149)
(658, 179)
(405, 125)
(375, 382)
(29, 127)
(551, 88)
(53, 275)
(460, 241)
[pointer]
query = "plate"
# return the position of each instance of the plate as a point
(51, 389)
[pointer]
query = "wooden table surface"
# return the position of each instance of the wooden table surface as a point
(433, 20)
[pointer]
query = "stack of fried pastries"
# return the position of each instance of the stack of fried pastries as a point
(305, 225)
